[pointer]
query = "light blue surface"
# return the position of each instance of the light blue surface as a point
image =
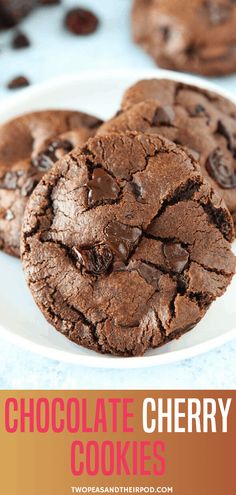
(55, 52)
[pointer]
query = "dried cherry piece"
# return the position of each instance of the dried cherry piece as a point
(95, 259)
(220, 170)
(18, 82)
(81, 21)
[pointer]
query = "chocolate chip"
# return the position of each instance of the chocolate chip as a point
(163, 116)
(18, 82)
(20, 40)
(54, 151)
(81, 22)
(102, 187)
(176, 256)
(122, 238)
(221, 170)
(95, 260)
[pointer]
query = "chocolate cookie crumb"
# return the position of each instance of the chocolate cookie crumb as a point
(81, 22)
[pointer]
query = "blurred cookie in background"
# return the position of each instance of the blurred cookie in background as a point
(191, 36)
(12, 11)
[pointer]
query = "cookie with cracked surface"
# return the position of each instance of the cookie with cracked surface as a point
(192, 36)
(201, 120)
(29, 145)
(121, 247)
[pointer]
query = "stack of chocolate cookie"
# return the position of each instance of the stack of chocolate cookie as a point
(126, 238)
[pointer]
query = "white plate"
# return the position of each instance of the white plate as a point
(20, 319)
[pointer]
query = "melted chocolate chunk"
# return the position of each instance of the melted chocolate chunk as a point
(95, 260)
(176, 256)
(149, 273)
(163, 116)
(122, 238)
(220, 170)
(81, 22)
(102, 187)
(55, 150)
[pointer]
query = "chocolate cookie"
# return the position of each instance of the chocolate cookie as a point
(121, 245)
(12, 11)
(29, 145)
(193, 36)
(201, 120)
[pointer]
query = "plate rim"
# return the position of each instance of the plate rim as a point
(115, 362)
